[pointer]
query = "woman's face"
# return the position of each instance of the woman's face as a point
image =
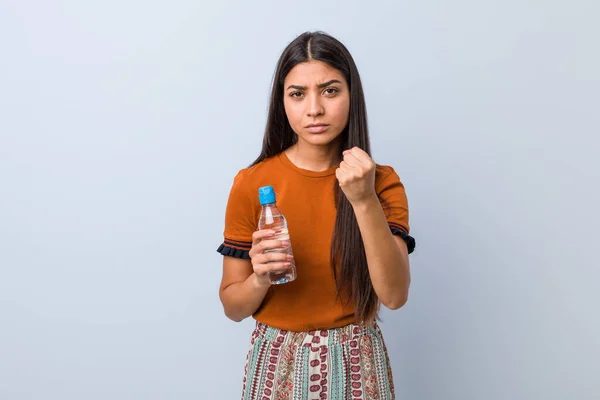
(316, 98)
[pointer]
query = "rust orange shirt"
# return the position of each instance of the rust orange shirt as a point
(306, 199)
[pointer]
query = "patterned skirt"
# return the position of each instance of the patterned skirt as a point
(346, 363)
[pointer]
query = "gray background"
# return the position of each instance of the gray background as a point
(122, 124)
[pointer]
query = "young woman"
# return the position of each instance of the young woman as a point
(317, 337)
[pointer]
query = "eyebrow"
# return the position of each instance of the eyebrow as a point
(320, 86)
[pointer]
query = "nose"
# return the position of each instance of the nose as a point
(314, 106)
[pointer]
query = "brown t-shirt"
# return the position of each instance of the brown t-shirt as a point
(306, 199)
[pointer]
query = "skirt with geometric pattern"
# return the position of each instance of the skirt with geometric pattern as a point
(345, 363)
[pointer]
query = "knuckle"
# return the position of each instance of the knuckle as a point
(276, 266)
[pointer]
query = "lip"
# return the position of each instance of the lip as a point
(316, 128)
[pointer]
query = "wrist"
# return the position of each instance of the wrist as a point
(366, 203)
(260, 283)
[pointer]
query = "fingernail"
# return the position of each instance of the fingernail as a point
(285, 244)
(287, 264)
(289, 256)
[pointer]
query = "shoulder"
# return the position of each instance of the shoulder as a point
(383, 171)
(384, 176)
(246, 178)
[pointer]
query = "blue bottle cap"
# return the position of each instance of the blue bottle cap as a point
(266, 195)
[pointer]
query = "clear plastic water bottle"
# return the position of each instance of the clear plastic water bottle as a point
(271, 218)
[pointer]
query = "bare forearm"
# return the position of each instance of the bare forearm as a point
(388, 263)
(241, 299)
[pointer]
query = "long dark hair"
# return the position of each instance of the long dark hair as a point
(348, 257)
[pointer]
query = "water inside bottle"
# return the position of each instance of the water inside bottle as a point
(272, 219)
(286, 275)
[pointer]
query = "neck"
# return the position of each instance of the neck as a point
(314, 158)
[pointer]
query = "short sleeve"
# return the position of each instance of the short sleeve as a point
(394, 202)
(240, 220)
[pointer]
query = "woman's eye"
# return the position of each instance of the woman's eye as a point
(331, 91)
(296, 94)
